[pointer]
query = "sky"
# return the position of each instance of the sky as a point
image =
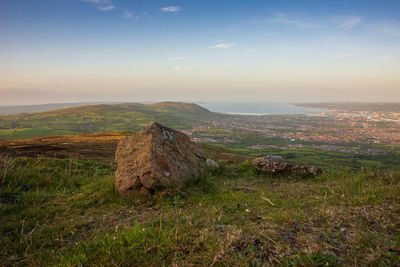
(54, 51)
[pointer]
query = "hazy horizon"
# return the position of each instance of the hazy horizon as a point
(71, 51)
(198, 102)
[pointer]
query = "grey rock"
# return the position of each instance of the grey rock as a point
(276, 164)
(154, 158)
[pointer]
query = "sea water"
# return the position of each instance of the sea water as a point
(259, 108)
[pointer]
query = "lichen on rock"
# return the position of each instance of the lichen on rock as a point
(156, 157)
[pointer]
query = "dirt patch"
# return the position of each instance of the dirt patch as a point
(98, 147)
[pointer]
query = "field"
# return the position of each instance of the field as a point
(59, 206)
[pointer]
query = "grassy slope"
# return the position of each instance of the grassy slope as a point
(101, 147)
(101, 118)
(96, 147)
(327, 159)
(315, 157)
(67, 212)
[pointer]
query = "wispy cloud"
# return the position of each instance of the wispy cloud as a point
(128, 15)
(222, 45)
(96, 1)
(106, 8)
(343, 23)
(348, 22)
(389, 29)
(103, 5)
(283, 18)
(171, 9)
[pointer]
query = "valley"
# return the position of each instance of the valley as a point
(326, 140)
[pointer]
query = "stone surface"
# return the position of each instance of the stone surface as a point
(154, 158)
(276, 164)
(212, 163)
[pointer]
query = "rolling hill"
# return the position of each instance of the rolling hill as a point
(103, 118)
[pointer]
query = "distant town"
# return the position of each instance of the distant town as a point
(329, 131)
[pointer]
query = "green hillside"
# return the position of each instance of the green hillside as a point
(65, 212)
(102, 118)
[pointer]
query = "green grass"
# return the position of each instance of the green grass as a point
(325, 159)
(66, 212)
(102, 118)
(26, 133)
(308, 155)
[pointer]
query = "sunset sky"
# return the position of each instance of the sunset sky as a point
(192, 50)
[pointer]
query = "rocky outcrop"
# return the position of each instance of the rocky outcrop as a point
(276, 164)
(156, 157)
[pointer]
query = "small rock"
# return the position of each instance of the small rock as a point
(276, 164)
(212, 163)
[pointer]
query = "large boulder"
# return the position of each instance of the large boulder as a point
(154, 158)
(276, 164)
